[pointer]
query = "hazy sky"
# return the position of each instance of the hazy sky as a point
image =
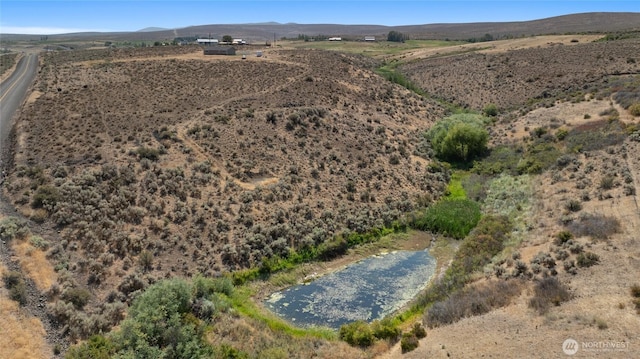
(52, 17)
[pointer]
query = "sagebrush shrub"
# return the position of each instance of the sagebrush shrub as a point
(562, 237)
(409, 342)
(419, 331)
(14, 282)
(573, 205)
(45, 197)
(471, 301)
(79, 297)
(595, 225)
(547, 292)
(587, 259)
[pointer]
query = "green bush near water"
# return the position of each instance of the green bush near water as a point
(452, 217)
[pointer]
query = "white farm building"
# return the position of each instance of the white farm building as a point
(207, 41)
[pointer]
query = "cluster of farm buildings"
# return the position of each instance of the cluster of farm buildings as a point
(216, 47)
(243, 42)
(216, 42)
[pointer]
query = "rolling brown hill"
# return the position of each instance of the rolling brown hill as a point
(516, 78)
(263, 32)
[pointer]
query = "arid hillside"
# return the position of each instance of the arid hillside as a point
(158, 163)
(520, 78)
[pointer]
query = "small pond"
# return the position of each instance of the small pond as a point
(366, 290)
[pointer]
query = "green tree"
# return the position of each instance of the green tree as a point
(459, 137)
(227, 38)
(396, 36)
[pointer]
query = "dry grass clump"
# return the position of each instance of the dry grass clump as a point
(35, 265)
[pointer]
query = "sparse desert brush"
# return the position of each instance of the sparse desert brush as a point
(39, 215)
(418, 330)
(544, 259)
(562, 133)
(473, 300)
(490, 110)
(45, 196)
(151, 154)
(79, 297)
(607, 182)
(595, 135)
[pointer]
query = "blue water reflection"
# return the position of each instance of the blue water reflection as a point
(368, 290)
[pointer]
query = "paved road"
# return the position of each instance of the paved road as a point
(13, 91)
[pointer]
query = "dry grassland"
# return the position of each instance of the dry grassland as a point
(21, 336)
(35, 265)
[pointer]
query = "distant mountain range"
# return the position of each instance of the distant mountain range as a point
(260, 32)
(152, 29)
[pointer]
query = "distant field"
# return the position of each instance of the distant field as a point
(373, 49)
